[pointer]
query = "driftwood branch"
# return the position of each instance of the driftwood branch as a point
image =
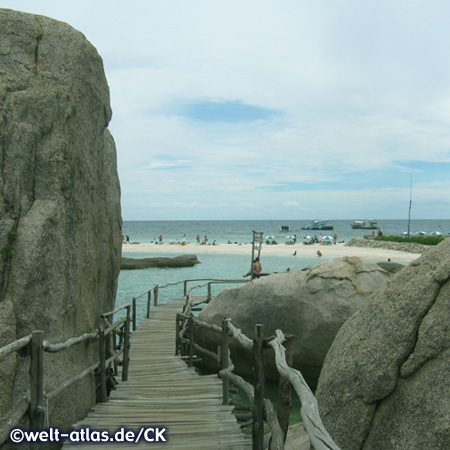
(114, 326)
(210, 354)
(68, 382)
(14, 346)
(53, 348)
(318, 435)
(238, 381)
(242, 339)
(207, 326)
(277, 439)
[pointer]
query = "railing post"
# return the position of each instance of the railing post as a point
(284, 390)
(102, 359)
(133, 312)
(149, 300)
(185, 288)
(191, 341)
(126, 347)
(209, 292)
(155, 296)
(37, 404)
(177, 335)
(258, 404)
(225, 360)
(114, 346)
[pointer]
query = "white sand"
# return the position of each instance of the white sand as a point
(333, 251)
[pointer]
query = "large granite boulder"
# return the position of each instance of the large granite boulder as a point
(60, 221)
(384, 384)
(311, 304)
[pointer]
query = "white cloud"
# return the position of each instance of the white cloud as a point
(362, 91)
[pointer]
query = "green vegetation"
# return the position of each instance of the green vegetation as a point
(424, 240)
(7, 250)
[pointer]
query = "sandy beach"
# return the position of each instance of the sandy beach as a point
(329, 251)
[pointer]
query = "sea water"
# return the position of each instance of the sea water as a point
(232, 266)
(240, 231)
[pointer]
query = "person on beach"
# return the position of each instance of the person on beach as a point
(319, 253)
(198, 239)
(183, 241)
(127, 239)
(334, 238)
(256, 269)
(160, 238)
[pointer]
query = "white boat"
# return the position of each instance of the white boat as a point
(364, 225)
(319, 225)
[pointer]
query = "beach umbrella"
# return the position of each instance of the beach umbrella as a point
(436, 233)
(405, 233)
(421, 233)
(290, 239)
(327, 240)
(270, 238)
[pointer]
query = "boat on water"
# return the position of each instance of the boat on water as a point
(319, 225)
(364, 225)
(285, 228)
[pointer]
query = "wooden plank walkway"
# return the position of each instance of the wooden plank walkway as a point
(163, 391)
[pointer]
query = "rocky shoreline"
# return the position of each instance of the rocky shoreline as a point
(396, 246)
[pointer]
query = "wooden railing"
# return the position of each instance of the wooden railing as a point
(34, 345)
(261, 409)
(113, 341)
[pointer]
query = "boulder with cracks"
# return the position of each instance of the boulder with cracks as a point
(384, 383)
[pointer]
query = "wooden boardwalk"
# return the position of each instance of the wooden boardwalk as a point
(162, 391)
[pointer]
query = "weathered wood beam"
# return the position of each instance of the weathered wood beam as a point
(318, 435)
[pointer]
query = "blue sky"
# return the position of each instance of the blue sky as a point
(274, 110)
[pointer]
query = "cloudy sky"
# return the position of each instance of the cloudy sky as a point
(290, 109)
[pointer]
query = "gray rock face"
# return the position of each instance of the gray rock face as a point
(144, 263)
(384, 383)
(60, 221)
(311, 304)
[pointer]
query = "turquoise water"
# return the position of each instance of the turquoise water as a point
(212, 265)
(230, 266)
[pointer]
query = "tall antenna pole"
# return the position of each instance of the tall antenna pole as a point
(410, 204)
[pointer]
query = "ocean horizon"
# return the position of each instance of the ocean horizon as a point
(232, 266)
(240, 231)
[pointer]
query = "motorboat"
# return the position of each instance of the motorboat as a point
(319, 225)
(285, 228)
(364, 225)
